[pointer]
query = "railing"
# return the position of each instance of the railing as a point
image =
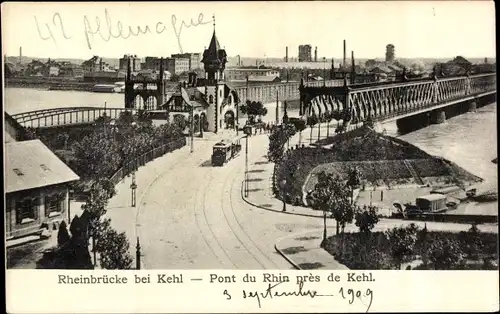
(66, 116)
(141, 160)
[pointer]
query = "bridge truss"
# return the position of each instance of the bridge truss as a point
(392, 100)
(67, 116)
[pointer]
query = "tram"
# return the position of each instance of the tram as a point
(226, 150)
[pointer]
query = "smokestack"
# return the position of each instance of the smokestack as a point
(315, 54)
(353, 71)
(343, 62)
(286, 55)
(20, 54)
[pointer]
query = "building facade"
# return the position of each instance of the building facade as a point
(194, 59)
(390, 53)
(36, 187)
(305, 54)
(241, 74)
(177, 65)
(135, 63)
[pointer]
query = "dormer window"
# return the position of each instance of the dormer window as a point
(18, 172)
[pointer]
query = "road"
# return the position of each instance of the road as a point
(193, 217)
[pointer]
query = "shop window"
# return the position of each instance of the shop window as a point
(26, 211)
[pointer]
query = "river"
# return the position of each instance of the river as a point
(469, 140)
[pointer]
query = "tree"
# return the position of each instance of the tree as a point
(328, 118)
(62, 234)
(300, 125)
(97, 156)
(113, 247)
(366, 218)
(312, 120)
(446, 254)
(277, 140)
(319, 198)
(402, 242)
(354, 180)
(253, 109)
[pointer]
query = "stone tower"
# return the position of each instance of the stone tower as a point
(214, 60)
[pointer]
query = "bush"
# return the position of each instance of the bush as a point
(446, 254)
(112, 247)
(366, 218)
(62, 234)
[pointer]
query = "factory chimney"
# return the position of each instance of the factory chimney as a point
(286, 55)
(343, 62)
(316, 54)
(20, 55)
(353, 68)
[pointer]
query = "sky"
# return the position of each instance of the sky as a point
(426, 29)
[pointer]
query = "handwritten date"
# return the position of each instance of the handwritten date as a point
(350, 295)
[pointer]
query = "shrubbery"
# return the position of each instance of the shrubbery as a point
(437, 250)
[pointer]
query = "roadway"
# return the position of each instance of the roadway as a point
(191, 215)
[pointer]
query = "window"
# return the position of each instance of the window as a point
(26, 211)
(211, 99)
(18, 172)
(54, 204)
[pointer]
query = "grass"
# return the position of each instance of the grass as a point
(380, 159)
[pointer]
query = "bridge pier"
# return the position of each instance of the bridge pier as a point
(438, 117)
(472, 106)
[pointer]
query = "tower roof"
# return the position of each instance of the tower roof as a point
(214, 44)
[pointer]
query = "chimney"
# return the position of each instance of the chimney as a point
(315, 54)
(20, 54)
(286, 55)
(343, 63)
(353, 70)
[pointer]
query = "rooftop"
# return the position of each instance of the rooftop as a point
(31, 164)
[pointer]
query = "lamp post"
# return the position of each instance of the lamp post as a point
(113, 128)
(247, 129)
(192, 130)
(133, 186)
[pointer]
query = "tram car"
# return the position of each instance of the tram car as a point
(226, 150)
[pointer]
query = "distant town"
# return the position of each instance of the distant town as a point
(73, 74)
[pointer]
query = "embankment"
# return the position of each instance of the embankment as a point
(382, 161)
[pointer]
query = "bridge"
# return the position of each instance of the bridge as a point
(66, 116)
(378, 102)
(389, 101)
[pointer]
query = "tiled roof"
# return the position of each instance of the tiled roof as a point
(31, 164)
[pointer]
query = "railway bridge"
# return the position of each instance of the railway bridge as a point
(401, 101)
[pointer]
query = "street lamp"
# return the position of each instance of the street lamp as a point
(247, 129)
(133, 186)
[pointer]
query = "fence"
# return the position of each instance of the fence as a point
(145, 158)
